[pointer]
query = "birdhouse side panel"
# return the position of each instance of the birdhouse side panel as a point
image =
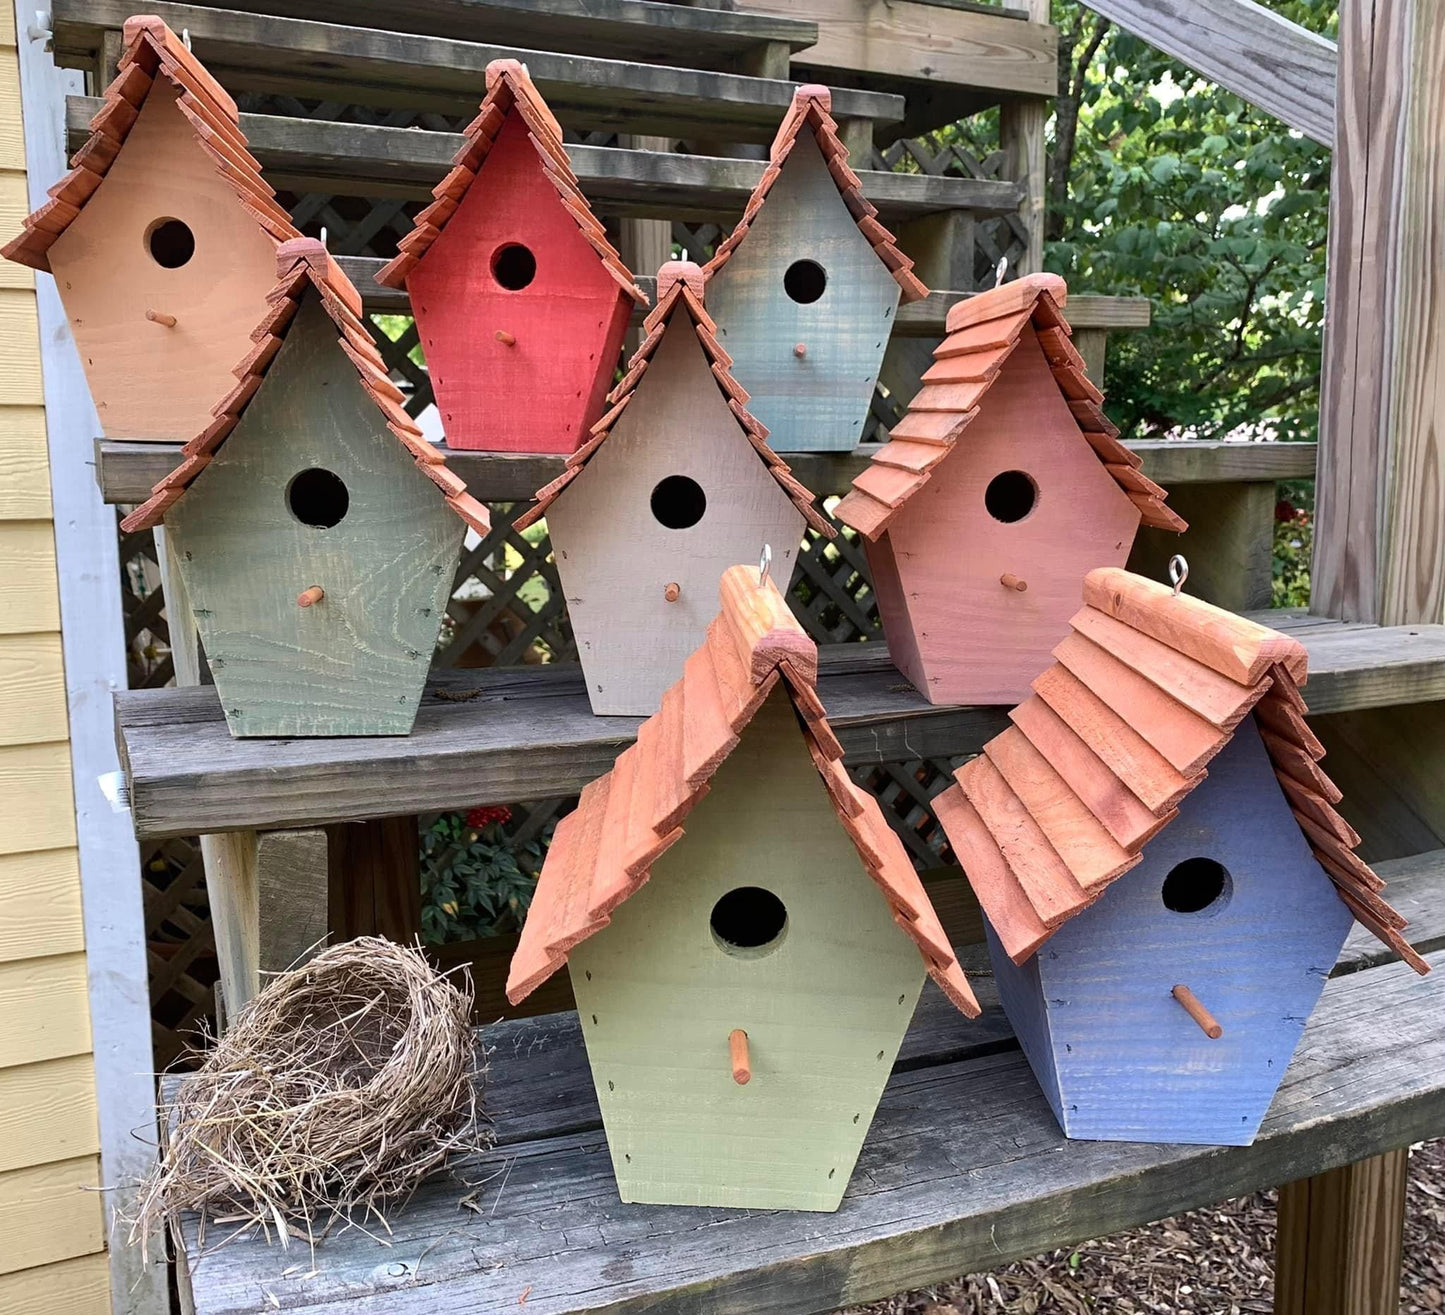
(165, 233)
(805, 307)
(1228, 901)
(893, 610)
(312, 489)
(824, 987)
(520, 322)
(674, 497)
(1022, 495)
(1023, 1002)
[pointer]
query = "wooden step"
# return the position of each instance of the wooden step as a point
(506, 734)
(964, 1169)
(320, 155)
(128, 471)
(614, 29)
(359, 65)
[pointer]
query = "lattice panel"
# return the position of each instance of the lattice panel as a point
(904, 792)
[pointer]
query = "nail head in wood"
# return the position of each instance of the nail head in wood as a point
(505, 338)
(160, 317)
(309, 596)
(672, 592)
(1013, 582)
(738, 1054)
(1208, 1024)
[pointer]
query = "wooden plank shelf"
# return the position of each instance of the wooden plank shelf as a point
(127, 471)
(504, 735)
(321, 155)
(359, 65)
(964, 1169)
(642, 30)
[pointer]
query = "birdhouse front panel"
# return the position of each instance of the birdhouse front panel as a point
(805, 308)
(1023, 497)
(163, 233)
(674, 497)
(312, 490)
(1228, 901)
(762, 918)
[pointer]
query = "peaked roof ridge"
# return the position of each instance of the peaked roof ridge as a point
(152, 50)
(304, 263)
(982, 333)
(680, 286)
(603, 851)
(811, 108)
(509, 87)
(1146, 689)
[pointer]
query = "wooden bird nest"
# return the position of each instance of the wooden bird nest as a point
(341, 1086)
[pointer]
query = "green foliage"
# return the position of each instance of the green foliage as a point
(1294, 526)
(1180, 191)
(477, 880)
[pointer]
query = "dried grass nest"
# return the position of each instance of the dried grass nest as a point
(341, 1086)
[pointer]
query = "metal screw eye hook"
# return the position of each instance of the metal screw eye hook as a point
(186, 37)
(1178, 572)
(765, 564)
(1000, 270)
(323, 235)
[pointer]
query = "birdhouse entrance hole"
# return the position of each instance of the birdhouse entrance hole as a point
(748, 921)
(678, 502)
(804, 281)
(1010, 496)
(514, 266)
(170, 242)
(317, 497)
(1195, 885)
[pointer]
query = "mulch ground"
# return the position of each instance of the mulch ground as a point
(1218, 1261)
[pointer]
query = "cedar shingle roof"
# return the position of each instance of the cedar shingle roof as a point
(982, 333)
(1147, 688)
(508, 89)
(604, 850)
(810, 109)
(680, 289)
(302, 264)
(152, 51)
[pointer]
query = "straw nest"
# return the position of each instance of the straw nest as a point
(341, 1086)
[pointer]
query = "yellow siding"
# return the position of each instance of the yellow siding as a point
(52, 1247)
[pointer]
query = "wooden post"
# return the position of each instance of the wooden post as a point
(1379, 544)
(374, 879)
(1340, 1235)
(1229, 543)
(291, 897)
(1021, 134)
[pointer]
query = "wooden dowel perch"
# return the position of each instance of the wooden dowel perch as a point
(160, 317)
(1208, 1024)
(1013, 582)
(309, 596)
(672, 592)
(738, 1055)
(505, 338)
(800, 350)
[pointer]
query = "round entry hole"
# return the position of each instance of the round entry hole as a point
(748, 919)
(317, 497)
(514, 266)
(805, 281)
(678, 502)
(1010, 496)
(1195, 885)
(170, 242)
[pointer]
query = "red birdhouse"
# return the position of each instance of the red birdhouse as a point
(520, 300)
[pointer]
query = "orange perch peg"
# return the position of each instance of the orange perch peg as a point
(738, 1054)
(1013, 582)
(160, 317)
(1208, 1024)
(309, 596)
(800, 350)
(505, 338)
(672, 592)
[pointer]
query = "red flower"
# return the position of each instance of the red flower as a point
(498, 813)
(1284, 510)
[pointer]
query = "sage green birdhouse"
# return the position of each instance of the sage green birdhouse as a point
(746, 936)
(315, 530)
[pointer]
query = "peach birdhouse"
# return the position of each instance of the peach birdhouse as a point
(520, 300)
(162, 240)
(977, 540)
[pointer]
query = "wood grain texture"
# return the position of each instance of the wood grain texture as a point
(291, 900)
(1128, 1063)
(1229, 544)
(47, 1112)
(934, 1193)
(24, 469)
(978, 641)
(37, 810)
(40, 904)
(1380, 554)
(614, 556)
(147, 380)
(824, 1011)
(20, 384)
(373, 880)
(1340, 1239)
(819, 400)
(355, 663)
(33, 678)
(31, 590)
(29, 1034)
(50, 1212)
(541, 391)
(1283, 68)
(79, 1286)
